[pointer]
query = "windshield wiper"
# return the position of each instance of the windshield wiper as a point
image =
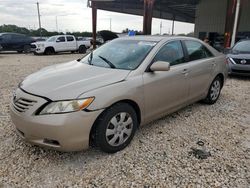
(108, 62)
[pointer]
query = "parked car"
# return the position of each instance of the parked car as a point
(60, 43)
(15, 42)
(239, 58)
(104, 97)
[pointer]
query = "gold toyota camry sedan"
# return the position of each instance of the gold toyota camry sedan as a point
(103, 98)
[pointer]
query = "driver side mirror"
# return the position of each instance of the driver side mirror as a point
(160, 66)
(57, 40)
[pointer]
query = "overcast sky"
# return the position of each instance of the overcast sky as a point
(74, 15)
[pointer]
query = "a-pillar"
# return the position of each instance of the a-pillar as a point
(147, 17)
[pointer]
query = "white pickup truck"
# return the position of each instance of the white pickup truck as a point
(60, 43)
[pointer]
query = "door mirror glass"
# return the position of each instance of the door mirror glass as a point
(160, 66)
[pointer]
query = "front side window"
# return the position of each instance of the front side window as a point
(197, 51)
(6, 37)
(51, 39)
(60, 39)
(70, 38)
(120, 54)
(172, 53)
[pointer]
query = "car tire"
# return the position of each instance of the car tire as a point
(115, 128)
(82, 49)
(214, 91)
(27, 48)
(49, 51)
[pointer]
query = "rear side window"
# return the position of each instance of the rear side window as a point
(60, 39)
(197, 51)
(172, 52)
(70, 38)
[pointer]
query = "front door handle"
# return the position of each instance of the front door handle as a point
(185, 71)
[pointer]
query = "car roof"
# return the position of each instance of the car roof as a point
(156, 38)
(10, 33)
(62, 36)
(242, 40)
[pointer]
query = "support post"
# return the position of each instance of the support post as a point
(147, 17)
(235, 23)
(94, 19)
(231, 9)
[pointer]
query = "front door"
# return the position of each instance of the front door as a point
(166, 91)
(61, 44)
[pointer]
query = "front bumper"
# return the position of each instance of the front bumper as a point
(37, 50)
(64, 132)
(237, 69)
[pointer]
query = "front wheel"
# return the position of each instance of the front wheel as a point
(214, 91)
(26, 48)
(82, 49)
(115, 128)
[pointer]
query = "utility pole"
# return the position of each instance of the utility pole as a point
(160, 27)
(39, 19)
(110, 23)
(173, 25)
(56, 25)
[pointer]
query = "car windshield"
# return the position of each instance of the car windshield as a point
(120, 54)
(51, 39)
(243, 46)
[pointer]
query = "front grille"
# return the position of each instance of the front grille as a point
(33, 46)
(239, 61)
(241, 71)
(22, 104)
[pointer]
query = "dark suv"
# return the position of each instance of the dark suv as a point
(15, 42)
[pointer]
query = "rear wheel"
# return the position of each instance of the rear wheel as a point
(214, 91)
(82, 49)
(115, 128)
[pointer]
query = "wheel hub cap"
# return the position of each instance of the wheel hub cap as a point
(119, 129)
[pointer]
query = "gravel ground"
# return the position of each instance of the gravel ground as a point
(162, 153)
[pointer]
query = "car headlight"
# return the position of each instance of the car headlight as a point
(40, 45)
(59, 107)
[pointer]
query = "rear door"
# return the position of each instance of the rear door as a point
(201, 64)
(166, 91)
(71, 43)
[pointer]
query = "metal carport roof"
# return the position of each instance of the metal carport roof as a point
(178, 10)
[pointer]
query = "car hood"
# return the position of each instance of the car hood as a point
(39, 42)
(70, 80)
(239, 56)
